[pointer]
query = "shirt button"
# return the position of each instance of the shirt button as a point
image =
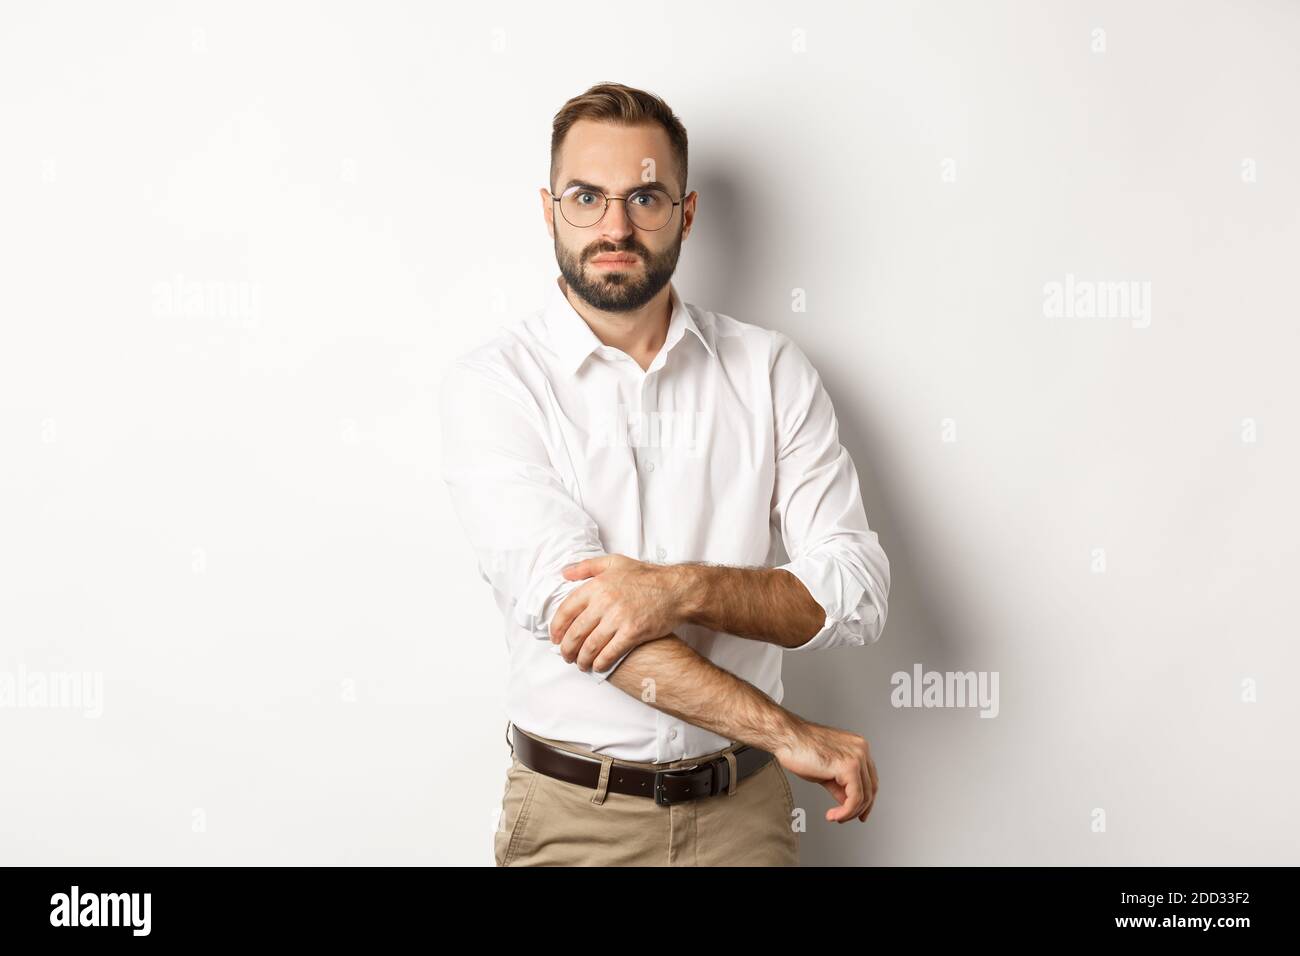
(661, 553)
(649, 466)
(673, 733)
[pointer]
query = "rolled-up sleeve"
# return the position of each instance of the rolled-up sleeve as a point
(522, 523)
(817, 507)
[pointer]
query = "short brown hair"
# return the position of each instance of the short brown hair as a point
(624, 106)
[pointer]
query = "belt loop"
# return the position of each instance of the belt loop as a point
(731, 766)
(602, 786)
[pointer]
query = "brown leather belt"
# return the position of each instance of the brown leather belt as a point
(666, 786)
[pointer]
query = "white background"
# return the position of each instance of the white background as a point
(236, 519)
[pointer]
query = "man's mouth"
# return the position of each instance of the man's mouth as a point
(613, 261)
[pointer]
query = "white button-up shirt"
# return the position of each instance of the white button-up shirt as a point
(725, 450)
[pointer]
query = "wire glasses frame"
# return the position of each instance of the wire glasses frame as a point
(608, 199)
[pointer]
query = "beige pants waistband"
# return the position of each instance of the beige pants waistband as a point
(643, 764)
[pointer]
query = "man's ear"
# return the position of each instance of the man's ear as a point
(688, 212)
(548, 211)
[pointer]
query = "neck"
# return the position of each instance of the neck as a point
(640, 333)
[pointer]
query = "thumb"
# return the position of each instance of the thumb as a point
(584, 569)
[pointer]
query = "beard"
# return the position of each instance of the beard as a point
(617, 290)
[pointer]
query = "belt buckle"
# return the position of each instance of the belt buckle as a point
(661, 797)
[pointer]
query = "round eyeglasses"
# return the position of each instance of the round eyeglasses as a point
(649, 208)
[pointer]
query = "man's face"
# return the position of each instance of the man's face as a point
(614, 159)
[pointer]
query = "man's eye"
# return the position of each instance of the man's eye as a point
(579, 197)
(649, 199)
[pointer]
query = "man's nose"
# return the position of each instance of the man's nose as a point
(615, 224)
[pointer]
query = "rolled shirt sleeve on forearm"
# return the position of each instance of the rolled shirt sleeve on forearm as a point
(817, 507)
(854, 611)
(523, 524)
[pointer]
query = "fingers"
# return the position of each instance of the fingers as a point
(568, 612)
(851, 802)
(867, 793)
(874, 786)
(596, 642)
(574, 637)
(855, 792)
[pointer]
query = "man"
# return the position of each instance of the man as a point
(627, 467)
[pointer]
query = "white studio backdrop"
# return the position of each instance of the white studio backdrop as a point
(1047, 257)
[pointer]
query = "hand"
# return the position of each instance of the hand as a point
(626, 603)
(840, 761)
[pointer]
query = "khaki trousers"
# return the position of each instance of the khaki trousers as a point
(550, 822)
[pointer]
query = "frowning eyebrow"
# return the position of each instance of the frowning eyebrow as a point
(653, 184)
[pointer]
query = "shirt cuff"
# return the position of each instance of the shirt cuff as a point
(539, 624)
(851, 615)
(536, 609)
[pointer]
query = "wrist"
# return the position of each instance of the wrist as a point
(690, 588)
(784, 732)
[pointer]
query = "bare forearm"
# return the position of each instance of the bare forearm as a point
(670, 676)
(766, 604)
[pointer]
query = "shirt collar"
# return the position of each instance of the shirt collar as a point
(573, 339)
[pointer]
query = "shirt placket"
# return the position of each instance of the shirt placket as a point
(649, 450)
(656, 522)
